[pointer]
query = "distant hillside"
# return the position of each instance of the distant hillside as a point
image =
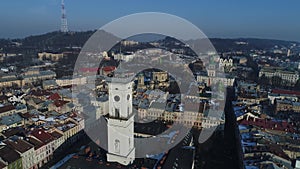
(246, 44)
(57, 41)
(53, 41)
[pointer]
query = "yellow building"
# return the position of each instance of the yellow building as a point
(191, 117)
(67, 81)
(160, 76)
(9, 82)
(51, 56)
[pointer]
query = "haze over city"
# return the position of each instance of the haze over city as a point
(270, 19)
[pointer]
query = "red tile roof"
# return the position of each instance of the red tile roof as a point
(6, 108)
(269, 124)
(60, 103)
(109, 68)
(54, 96)
(89, 69)
(19, 145)
(42, 135)
(289, 92)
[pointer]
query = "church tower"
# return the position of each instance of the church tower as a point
(141, 81)
(120, 120)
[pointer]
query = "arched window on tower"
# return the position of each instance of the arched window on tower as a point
(117, 113)
(129, 143)
(128, 111)
(117, 146)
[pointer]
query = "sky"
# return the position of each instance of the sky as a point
(271, 19)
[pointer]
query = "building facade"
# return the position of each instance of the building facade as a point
(120, 122)
(289, 76)
(50, 56)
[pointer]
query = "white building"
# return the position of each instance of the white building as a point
(43, 144)
(120, 122)
(289, 76)
(215, 74)
(210, 80)
(68, 81)
(225, 62)
(25, 150)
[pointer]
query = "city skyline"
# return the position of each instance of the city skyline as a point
(266, 20)
(153, 100)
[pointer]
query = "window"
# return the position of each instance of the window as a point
(117, 98)
(128, 96)
(127, 111)
(117, 146)
(117, 112)
(129, 143)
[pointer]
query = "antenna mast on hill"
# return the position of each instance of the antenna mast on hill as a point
(64, 24)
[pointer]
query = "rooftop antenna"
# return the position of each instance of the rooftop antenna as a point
(64, 24)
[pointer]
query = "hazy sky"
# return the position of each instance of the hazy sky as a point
(275, 19)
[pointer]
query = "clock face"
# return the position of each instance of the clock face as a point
(128, 97)
(117, 98)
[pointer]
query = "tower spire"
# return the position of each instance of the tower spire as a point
(64, 24)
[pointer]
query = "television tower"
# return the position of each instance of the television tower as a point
(64, 24)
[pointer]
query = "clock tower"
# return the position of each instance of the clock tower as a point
(120, 120)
